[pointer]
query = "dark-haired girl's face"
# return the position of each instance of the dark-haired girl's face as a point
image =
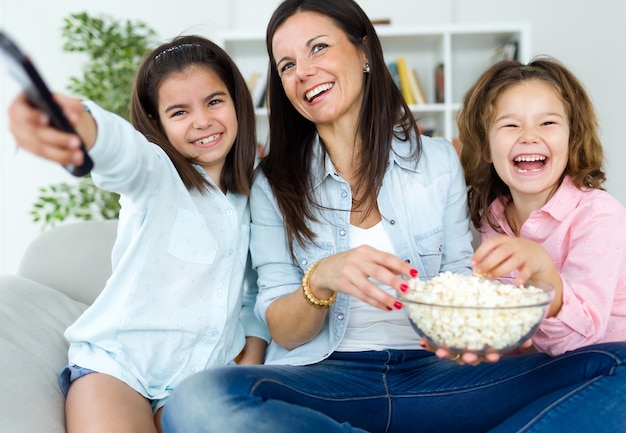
(199, 117)
(320, 69)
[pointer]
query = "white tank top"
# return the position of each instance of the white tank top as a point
(370, 328)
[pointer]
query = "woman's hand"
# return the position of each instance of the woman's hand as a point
(470, 358)
(32, 131)
(356, 272)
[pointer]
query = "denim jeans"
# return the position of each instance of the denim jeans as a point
(408, 391)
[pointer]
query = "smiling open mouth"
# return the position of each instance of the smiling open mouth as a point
(312, 94)
(529, 163)
(207, 140)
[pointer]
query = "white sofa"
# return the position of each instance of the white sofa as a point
(61, 273)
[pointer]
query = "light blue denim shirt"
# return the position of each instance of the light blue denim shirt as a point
(425, 214)
(177, 301)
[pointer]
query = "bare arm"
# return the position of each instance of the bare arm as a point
(293, 321)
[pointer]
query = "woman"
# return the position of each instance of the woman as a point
(348, 204)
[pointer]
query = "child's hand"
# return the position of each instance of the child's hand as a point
(32, 130)
(253, 352)
(500, 255)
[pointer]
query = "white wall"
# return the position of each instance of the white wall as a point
(588, 38)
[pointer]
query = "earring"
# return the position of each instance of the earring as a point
(367, 69)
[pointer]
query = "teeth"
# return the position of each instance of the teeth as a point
(208, 139)
(310, 95)
(530, 158)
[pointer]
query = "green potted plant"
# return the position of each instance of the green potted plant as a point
(114, 49)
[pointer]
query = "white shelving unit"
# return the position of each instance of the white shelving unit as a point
(465, 50)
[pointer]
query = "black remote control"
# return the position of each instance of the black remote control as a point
(38, 94)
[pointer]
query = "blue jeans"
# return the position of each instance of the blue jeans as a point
(408, 391)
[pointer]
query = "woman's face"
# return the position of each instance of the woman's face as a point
(529, 140)
(199, 117)
(321, 70)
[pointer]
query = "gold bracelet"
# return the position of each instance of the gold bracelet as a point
(322, 304)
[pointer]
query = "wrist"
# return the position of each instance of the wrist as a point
(309, 296)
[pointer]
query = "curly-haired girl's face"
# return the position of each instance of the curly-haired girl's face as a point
(529, 139)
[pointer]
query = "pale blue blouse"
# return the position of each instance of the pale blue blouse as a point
(424, 210)
(175, 303)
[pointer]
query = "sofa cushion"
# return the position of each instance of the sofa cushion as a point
(74, 258)
(33, 350)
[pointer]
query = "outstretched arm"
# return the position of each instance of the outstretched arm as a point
(32, 131)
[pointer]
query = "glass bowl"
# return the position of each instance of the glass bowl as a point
(469, 313)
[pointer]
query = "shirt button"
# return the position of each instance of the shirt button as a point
(340, 316)
(408, 260)
(229, 212)
(344, 194)
(392, 222)
(342, 232)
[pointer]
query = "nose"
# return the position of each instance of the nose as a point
(202, 120)
(304, 68)
(529, 135)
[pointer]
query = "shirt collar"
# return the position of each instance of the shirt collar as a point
(561, 204)
(400, 156)
(564, 201)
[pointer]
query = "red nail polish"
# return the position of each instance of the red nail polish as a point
(398, 305)
(423, 345)
(389, 308)
(404, 288)
(414, 273)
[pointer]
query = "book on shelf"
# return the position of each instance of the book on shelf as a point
(416, 87)
(439, 84)
(405, 81)
(393, 70)
(257, 84)
(253, 81)
(506, 51)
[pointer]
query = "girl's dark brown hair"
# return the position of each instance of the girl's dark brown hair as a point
(176, 56)
(585, 155)
(384, 114)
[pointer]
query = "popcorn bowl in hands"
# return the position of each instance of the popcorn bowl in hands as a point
(469, 313)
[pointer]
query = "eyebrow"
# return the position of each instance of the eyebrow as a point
(307, 44)
(511, 115)
(175, 107)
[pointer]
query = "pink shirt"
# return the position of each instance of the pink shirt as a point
(585, 234)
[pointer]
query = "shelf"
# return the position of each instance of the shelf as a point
(464, 50)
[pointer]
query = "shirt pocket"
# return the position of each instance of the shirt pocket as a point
(191, 240)
(312, 253)
(430, 249)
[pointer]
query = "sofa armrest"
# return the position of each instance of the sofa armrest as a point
(33, 350)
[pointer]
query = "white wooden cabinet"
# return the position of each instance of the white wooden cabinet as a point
(465, 50)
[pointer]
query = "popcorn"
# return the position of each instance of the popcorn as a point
(471, 313)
